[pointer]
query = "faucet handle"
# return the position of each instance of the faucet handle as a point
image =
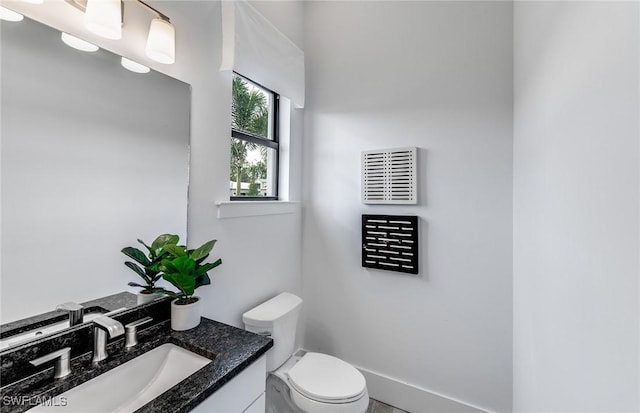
(62, 367)
(131, 338)
(75, 310)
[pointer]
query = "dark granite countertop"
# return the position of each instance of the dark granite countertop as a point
(234, 350)
(101, 305)
(231, 349)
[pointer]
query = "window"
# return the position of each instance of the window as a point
(254, 141)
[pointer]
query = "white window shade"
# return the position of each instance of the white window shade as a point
(253, 47)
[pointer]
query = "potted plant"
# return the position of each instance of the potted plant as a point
(185, 270)
(147, 266)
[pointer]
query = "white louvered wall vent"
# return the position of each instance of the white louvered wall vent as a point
(389, 176)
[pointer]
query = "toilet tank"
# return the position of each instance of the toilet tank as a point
(278, 318)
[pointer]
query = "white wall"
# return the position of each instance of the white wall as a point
(576, 206)
(261, 255)
(436, 75)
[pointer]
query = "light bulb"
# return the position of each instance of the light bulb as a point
(133, 66)
(76, 43)
(104, 18)
(161, 43)
(10, 15)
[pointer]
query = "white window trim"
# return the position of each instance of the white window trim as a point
(239, 209)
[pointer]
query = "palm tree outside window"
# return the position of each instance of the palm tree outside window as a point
(254, 141)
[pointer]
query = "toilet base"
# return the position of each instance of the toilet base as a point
(278, 396)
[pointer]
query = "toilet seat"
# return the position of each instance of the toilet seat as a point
(327, 379)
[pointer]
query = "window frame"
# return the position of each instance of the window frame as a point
(259, 140)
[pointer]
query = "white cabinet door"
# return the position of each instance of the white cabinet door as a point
(259, 406)
(238, 395)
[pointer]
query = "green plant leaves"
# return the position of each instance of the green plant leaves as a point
(149, 268)
(203, 250)
(182, 268)
(208, 266)
(142, 242)
(176, 250)
(145, 288)
(137, 255)
(187, 274)
(183, 282)
(183, 265)
(164, 240)
(135, 267)
(203, 280)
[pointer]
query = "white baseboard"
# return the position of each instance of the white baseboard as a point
(412, 398)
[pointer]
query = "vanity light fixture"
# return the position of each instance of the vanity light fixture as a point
(133, 66)
(161, 43)
(10, 15)
(79, 44)
(104, 18)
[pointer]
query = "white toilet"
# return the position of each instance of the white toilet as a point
(313, 382)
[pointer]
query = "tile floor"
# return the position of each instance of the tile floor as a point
(379, 407)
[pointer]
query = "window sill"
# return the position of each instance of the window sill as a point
(238, 209)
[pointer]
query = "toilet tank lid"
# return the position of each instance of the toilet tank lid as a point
(272, 310)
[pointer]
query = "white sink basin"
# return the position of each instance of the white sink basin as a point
(131, 385)
(30, 335)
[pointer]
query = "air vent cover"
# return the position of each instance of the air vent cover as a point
(390, 242)
(389, 176)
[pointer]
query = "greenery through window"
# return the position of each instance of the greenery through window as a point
(254, 141)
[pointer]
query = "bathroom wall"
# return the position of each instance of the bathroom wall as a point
(261, 254)
(436, 75)
(576, 206)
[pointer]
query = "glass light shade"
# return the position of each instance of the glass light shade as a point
(10, 15)
(161, 43)
(104, 18)
(133, 66)
(76, 43)
(34, 1)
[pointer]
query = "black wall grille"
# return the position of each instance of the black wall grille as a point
(390, 242)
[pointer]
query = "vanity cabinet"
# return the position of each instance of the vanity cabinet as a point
(238, 360)
(258, 406)
(243, 394)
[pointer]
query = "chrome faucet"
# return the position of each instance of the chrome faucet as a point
(104, 326)
(76, 312)
(62, 366)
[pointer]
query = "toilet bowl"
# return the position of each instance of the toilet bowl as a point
(317, 382)
(305, 382)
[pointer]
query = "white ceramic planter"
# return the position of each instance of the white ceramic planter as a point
(185, 317)
(146, 298)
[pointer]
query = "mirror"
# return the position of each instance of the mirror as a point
(94, 156)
